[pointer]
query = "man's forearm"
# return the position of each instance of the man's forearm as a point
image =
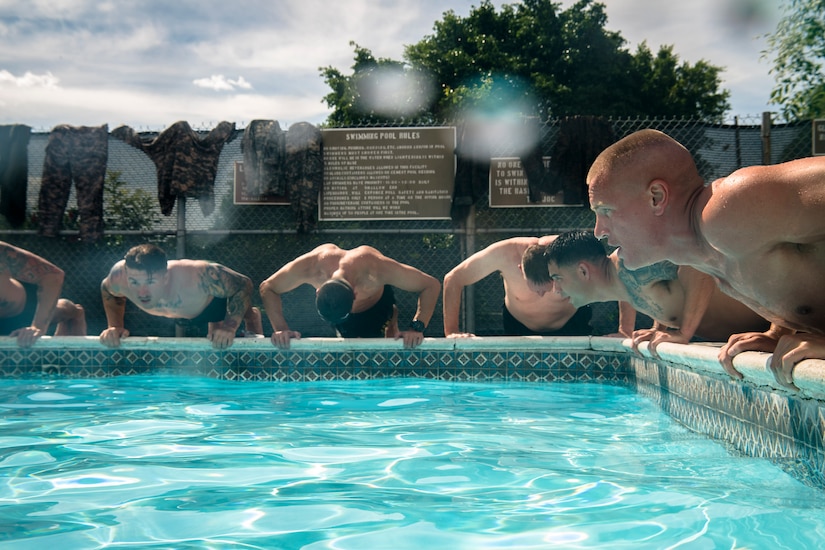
(426, 304)
(236, 307)
(274, 309)
(451, 309)
(48, 292)
(114, 307)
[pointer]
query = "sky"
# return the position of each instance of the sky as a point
(149, 64)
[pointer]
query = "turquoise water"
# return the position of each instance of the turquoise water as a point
(175, 462)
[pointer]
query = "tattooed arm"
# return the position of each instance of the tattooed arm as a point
(26, 267)
(636, 281)
(221, 282)
(698, 288)
(638, 284)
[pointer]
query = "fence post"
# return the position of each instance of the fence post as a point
(180, 247)
(469, 250)
(738, 143)
(766, 137)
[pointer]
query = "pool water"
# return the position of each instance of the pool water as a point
(177, 462)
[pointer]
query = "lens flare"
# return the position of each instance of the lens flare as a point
(395, 91)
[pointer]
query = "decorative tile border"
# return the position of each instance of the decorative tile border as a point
(754, 421)
(320, 359)
(755, 417)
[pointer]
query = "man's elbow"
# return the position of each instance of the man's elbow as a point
(54, 279)
(449, 281)
(247, 285)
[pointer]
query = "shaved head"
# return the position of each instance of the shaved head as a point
(649, 155)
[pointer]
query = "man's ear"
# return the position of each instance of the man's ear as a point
(658, 194)
(584, 270)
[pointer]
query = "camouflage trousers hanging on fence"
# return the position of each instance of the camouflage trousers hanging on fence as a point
(79, 154)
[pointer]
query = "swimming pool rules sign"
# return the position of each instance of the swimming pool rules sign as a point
(509, 188)
(388, 173)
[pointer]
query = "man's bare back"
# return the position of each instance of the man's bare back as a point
(536, 308)
(766, 228)
(363, 269)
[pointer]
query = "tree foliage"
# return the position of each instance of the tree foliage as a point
(798, 47)
(133, 210)
(544, 60)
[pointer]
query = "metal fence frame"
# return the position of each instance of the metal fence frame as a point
(258, 240)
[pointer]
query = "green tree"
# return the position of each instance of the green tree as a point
(544, 60)
(798, 47)
(357, 99)
(133, 210)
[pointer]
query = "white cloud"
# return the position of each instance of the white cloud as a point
(29, 80)
(139, 63)
(220, 83)
(43, 108)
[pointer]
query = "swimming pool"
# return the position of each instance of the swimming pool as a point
(751, 418)
(184, 462)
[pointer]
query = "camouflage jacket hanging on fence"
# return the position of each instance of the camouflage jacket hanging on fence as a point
(186, 163)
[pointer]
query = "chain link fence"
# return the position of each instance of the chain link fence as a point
(257, 240)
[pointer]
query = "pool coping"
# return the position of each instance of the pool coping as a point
(809, 375)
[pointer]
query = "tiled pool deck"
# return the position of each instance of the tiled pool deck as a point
(755, 416)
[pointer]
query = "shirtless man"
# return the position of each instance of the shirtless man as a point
(529, 307)
(353, 293)
(29, 298)
(682, 302)
(193, 290)
(760, 232)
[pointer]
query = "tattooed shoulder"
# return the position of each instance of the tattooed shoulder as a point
(662, 271)
(216, 280)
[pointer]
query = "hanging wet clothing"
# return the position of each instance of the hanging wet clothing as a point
(581, 139)
(263, 150)
(186, 163)
(304, 172)
(14, 172)
(472, 173)
(79, 154)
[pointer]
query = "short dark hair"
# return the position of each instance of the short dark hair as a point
(334, 300)
(146, 257)
(534, 264)
(574, 246)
